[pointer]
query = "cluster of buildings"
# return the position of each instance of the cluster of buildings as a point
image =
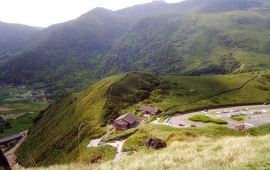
(129, 120)
(39, 95)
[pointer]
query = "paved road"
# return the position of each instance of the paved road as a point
(253, 120)
(10, 154)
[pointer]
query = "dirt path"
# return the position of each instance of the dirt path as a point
(96, 142)
(111, 87)
(215, 95)
(119, 147)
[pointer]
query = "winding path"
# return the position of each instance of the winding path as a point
(215, 95)
(119, 146)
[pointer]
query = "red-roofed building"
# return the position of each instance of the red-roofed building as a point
(124, 122)
(149, 110)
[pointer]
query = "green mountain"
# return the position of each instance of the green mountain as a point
(194, 37)
(61, 132)
(14, 38)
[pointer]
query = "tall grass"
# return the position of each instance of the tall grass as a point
(204, 153)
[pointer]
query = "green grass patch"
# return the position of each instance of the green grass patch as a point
(117, 135)
(169, 134)
(20, 101)
(106, 152)
(261, 130)
(206, 119)
(239, 118)
(20, 124)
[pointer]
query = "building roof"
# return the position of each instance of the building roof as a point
(130, 118)
(149, 109)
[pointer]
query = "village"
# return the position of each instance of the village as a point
(19, 105)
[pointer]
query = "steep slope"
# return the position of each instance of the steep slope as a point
(14, 38)
(60, 130)
(188, 38)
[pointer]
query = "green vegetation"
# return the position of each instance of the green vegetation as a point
(239, 118)
(261, 130)
(226, 153)
(137, 141)
(54, 137)
(86, 154)
(206, 119)
(23, 110)
(14, 38)
(20, 124)
(190, 148)
(182, 94)
(117, 135)
(190, 38)
(204, 153)
(67, 125)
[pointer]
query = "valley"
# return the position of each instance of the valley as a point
(18, 108)
(187, 38)
(127, 93)
(161, 85)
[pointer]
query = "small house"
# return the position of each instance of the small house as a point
(149, 110)
(240, 126)
(124, 122)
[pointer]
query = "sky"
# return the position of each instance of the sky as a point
(43, 13)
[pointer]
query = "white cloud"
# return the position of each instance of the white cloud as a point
(47, 12)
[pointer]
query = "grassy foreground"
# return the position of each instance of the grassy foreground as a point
(204, 153)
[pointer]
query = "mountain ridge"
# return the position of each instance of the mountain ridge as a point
(179, 38)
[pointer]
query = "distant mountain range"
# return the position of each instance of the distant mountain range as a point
(194, 37)
(15, 38)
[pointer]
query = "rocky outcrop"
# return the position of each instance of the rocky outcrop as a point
(155, 143)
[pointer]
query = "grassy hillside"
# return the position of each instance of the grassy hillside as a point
(66, 126)
(60, 134)
(14, 38)
(183, 93)
(233, 152)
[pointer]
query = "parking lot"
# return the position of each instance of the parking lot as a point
(254, 116)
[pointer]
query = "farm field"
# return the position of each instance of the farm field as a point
(18, 109)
